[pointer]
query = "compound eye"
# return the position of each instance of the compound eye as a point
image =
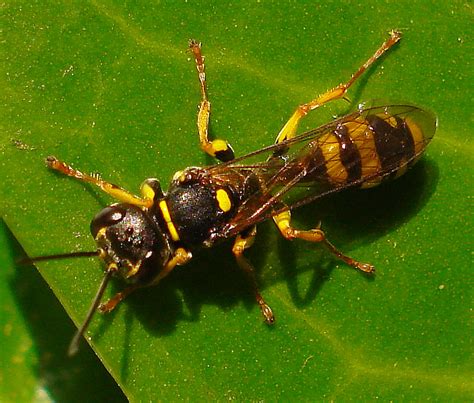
(109, 216)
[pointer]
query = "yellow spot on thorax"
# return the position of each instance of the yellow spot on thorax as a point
(166, 215)
(223, 200)
(147, 191)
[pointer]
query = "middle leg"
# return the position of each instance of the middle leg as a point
(242, 242)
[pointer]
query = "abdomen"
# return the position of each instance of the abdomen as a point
(367, 148)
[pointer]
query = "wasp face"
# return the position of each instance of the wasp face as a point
(132, 241)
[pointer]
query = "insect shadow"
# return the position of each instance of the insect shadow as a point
(353, 218)
(212, 278)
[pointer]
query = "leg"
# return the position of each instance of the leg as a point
(181, 256)
(282, 221)
(110, 304)
(109, 188)
(288, 131)
(217, 148)
(241, 243)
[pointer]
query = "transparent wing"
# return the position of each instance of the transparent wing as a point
(322, 161)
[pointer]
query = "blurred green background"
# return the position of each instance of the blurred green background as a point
(110, 88)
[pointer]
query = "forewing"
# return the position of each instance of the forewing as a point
(316, 163)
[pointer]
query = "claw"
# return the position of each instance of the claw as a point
(365, 267)
(267, 313)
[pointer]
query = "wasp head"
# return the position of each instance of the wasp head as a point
(131, 242)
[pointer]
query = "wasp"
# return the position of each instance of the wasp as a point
(141, 239)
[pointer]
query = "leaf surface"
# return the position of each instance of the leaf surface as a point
(110, 88)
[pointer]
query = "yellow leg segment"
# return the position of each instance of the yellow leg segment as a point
(180, 257)
(110, 304)
(289, 129)
(241, 243)
(218, 148)
(282, 221)
(109, 188)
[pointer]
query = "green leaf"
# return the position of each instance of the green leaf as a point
(111, 88)
(34, 338)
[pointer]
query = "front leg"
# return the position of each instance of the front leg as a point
(180, 257)
(217, 148)
(109, 188)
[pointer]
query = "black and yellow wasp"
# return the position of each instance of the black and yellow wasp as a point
(142, 238)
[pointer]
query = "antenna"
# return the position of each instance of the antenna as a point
(29, 260)
(74, 345)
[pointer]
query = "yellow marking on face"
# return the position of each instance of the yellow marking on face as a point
(223, 200)
(101, 233)
(133, 268)
(169, 222)
(102, 253)
(112, 267)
